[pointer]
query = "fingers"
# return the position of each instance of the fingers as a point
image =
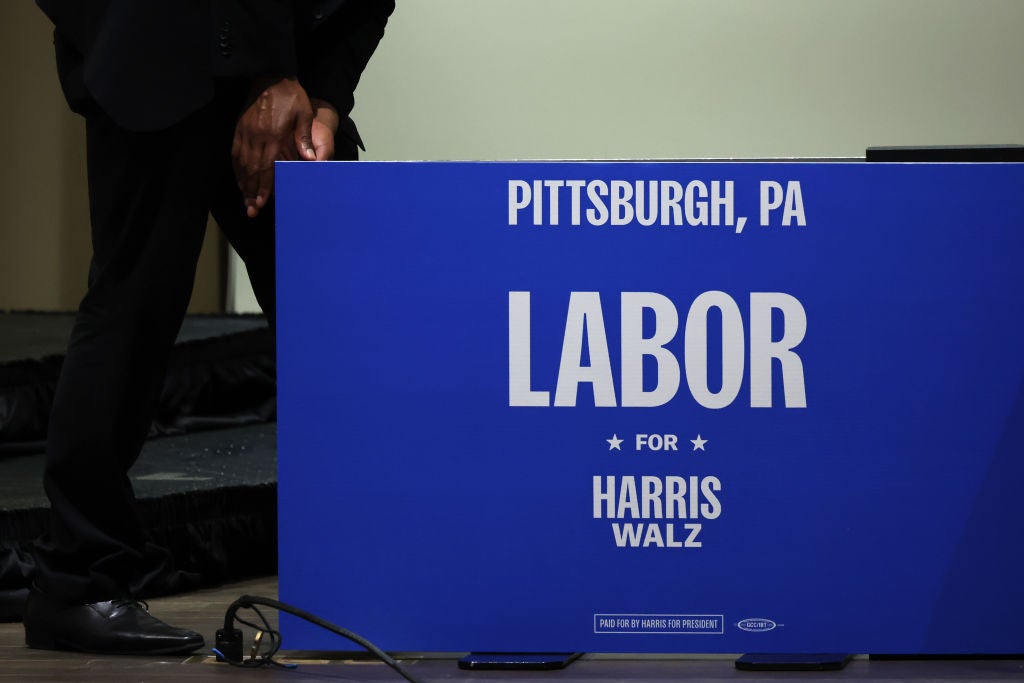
(255, 175)
(304, 132)
(247, 171)
(242, 156)
(325, 152)
(254, 172)
(277, 125)
(323, 141)
(265, 176)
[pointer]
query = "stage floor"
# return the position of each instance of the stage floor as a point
(186, 464)
(38, 335)
(206, 481)
(204, 611)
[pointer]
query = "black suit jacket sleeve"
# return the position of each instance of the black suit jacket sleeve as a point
(250, 38)
(336, 52)
(150, 63)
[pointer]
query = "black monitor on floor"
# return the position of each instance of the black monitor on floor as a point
(948, 153)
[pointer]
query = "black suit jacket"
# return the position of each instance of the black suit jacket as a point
(150, 63)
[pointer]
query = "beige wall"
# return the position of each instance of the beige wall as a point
(44, 234)
(42, 195)
(513, 79)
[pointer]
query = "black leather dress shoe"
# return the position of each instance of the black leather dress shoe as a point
(114, 627)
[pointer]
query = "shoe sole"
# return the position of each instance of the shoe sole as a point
(45, 641)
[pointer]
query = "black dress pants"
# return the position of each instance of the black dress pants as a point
(150, 194)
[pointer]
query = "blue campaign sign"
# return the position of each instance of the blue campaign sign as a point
(653, 407)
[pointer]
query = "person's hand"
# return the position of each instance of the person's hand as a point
(325, 127)
(277, 125)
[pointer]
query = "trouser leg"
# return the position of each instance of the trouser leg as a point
(253, 238)
(149, 195)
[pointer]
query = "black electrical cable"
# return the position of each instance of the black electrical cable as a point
(258, 660)
(250, 602)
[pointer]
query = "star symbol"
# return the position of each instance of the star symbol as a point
(614, 443)
(698, 443)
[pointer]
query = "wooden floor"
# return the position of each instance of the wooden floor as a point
(204, 611)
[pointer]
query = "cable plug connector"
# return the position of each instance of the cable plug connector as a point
(229, 645)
